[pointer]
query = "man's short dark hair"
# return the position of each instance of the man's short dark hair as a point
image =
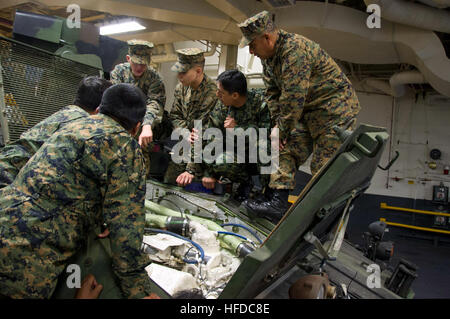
(90, 92)
(125, 103)
(233, 81)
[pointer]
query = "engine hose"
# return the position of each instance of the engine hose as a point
(246, 228)
(243, 249)
(233, 234)
(178, 225)
(155, 209)
(199, 248)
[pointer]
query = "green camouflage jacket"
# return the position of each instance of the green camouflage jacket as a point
(301, 77)
(150, 83)
(16, 154)
(190, 105)
(92, 170)
(253, 114)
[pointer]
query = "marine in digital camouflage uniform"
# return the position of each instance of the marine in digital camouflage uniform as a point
(16, 154)
(307, 94)
(239, 108)
(194, 97)
(137, 71)
(89, 171)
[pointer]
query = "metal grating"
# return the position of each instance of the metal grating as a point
(36, 84)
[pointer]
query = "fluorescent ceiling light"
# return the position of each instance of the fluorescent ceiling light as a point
(121, 27)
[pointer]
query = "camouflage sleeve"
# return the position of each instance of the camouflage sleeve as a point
(272, 95)
(197, 168)
(13, 157)
(217, 116)
(296, 73)
(205, 108)
(264, 115)
(176, 114)
(208, 170)
(16, 154)
(124, 213)
(216, 119)
(115, 75)
(156, 99)
(260, 118)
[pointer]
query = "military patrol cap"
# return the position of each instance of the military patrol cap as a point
(140, 51)
(254, 26)
(187, 58)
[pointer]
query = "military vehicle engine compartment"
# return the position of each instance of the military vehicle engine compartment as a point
(199, 244)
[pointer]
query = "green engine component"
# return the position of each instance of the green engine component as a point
(36, 84)
(55, 30)
(235, 244)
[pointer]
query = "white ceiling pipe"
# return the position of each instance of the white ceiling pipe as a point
(413, 14)
(399, 81)
(172, 57)
(212, 50)
(397, 84)
(441, 4)
(380, 85)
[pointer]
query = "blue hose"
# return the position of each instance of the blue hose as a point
(199, 248)
(246, 228)
(233, 234)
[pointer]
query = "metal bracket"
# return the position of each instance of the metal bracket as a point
(312, 239)
(397, 154)
(338, 237)
(335, 245)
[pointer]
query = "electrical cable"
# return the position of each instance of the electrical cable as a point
(199, 248)
(232, 234)
(244, 227)
(172, 202)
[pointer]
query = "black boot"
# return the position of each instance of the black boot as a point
(263, 196)
(243, 192)
(272, 209)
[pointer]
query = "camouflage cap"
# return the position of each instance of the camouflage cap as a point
(254, 26)
(187, 58)
(140, 51)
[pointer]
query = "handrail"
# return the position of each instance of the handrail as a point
(416, 211)
(415, 227)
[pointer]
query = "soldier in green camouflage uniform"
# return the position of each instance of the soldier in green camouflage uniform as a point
(307, 94)
(91, 170)
(195, 96)
(239, 109)
(16, 154)
(137, 71)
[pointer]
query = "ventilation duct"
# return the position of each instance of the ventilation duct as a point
(380, 85)
(413, 14)
(397, 86)
(345, 29)
(399, 81)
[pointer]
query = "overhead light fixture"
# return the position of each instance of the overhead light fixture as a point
(121, 27)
